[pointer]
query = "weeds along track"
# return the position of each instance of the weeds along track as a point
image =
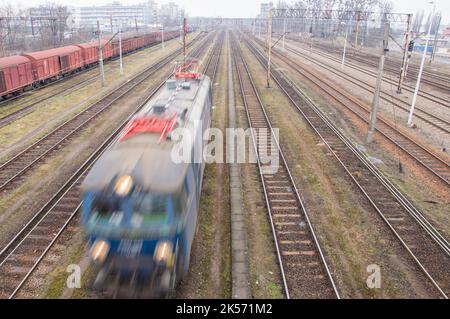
(60, 87)
(429, 249)
(24, 253)
(433, 163)
(426, 116)
(439, 80)
(303, 267)
(14, 170)
(424, 94)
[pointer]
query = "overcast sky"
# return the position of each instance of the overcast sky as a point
(241, 8)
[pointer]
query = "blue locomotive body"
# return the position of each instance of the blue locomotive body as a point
(140, 206)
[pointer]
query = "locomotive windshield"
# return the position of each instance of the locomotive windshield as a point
(139, 212)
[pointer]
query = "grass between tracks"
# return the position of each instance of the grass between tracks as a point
(351, 235)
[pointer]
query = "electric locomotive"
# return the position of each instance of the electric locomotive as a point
(140, 206)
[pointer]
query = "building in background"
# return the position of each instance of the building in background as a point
(110, 16)
(51, 25)
(151, 13)
(170, 14)
(265, 8)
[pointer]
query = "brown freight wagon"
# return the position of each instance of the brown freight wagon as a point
(90, 51)
(15, 74)
(59, 61)
(130, 42)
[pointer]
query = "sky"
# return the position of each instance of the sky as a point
(242, 8)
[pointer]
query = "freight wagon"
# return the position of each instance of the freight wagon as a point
(21, 72)
(90, 51)
(49, 64)
(16, 74)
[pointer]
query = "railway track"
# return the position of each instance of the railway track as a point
(436, 165)
(303, 266)
(438, 80)
(15, 168)
(429, 249)
(27, 106)
(424, 94)
(434, 120)
(23, 254)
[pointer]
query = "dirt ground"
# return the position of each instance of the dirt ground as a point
(209, 274)
(432, 200)
(266, 281)
(350, 232)
(50, 113)
(428, 134)
(210, 269)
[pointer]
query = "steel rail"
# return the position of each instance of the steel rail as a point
(324, 283)
(63, 194)
(428, 117)
(27, 158)
(420, 153)
(330, 138)
(426, 95)
(62, 79)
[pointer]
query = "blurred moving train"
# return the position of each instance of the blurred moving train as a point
(140, 206)
(29, 70)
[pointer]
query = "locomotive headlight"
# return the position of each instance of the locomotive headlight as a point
(99, 251)
(163, 253)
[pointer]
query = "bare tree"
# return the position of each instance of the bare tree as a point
(418, 19)
(386, 6)
(13, 28)
(436, 23)
(282, 4)
(51, 22)
(427, 24)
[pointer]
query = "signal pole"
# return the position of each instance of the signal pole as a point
(184, 41)
(405, 55)
(269, 43)
(162, 37)
(345, 45)
(259, 28)
(357, 30)
(376, 95)
(419, 76)
(120, 50)
(433, 52)
(100, 54)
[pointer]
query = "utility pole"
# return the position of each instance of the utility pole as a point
(284, 31)
(345, 46)
(135, 23)
(120, 50)
(269, 42)
(419, 76)
(433, 52)
(357, 29)
(100, 54)
(181, 30)
(184, 41)
(162, 37)
(405, 55)
(259, 28)
(376, 95)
